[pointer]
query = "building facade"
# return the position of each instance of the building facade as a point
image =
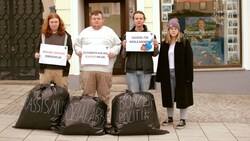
(223, 46)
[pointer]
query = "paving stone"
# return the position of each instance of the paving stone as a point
(212, 117)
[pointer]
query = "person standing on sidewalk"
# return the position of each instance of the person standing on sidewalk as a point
(53, 32)
(95, 77)
(139, 65)
(175, 73)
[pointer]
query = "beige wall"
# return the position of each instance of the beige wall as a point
(63, 8)
(46, 5)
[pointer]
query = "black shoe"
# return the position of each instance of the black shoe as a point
(167, 121)
(181, 124)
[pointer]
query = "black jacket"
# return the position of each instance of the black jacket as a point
(64, 68)
(183, 61)
(145, 58)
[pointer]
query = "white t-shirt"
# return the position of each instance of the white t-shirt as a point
(171, 56)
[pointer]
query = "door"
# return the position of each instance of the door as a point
(116, 15)
(20, 23)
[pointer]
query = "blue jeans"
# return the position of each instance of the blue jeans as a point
(138, 81)
(170, 111)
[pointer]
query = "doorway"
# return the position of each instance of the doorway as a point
(116, 14)
(20, 23)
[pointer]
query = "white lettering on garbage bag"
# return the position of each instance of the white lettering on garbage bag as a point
(45, 106)
(84, 113)
(135, 108)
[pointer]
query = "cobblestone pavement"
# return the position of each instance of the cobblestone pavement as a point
(207, 107)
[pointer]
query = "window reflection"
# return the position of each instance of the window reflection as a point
(212, 26)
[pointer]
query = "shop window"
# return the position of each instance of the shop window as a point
(203, 5)
(218, 43)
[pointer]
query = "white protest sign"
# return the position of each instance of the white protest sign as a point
(139, 41)
(53, 54)
(95, 55)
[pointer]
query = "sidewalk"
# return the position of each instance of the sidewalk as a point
(213, 117)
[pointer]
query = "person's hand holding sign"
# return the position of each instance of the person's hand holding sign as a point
(37, 55)
(156, 43)
(68, 56)
(124, 43)
(79, 53)
(111, 55)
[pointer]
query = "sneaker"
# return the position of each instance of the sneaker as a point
(181, 124)
(167, 121)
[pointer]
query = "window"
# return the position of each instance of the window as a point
(203, 5)
(186, 5)
(212, 27)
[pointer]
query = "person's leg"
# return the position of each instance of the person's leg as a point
(65, 82)
(45, 77)
(104, 83)
(88, 83)
(170, 110)
(173, 85)
(144, 81)
(183, 113)
(170, 114)
(41, 78)
(183, 117)
(132, 82)
(57, 76)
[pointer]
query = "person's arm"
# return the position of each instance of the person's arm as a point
(156, 47)
(115, 50)
(69, 45)
(37, 48)
(78, 46)
(124, 52)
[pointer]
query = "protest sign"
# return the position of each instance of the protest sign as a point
(139, 41)
(53, 54)
(95, 55)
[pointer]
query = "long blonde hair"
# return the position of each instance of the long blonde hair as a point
(168, 37)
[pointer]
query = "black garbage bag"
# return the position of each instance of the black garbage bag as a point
(84, 115)
(43, 107)
(135, 114)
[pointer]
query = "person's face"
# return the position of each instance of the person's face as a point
(173, 31)
(139, 19)
(201, 24)
(54, 24)
(97, 21)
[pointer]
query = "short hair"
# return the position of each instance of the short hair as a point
(139, 12)
(46, 29)
(200, 19)
(96, 12)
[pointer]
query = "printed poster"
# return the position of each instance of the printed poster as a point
(95, 55)
(206, 39)
(53, 54)
(139, 41)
